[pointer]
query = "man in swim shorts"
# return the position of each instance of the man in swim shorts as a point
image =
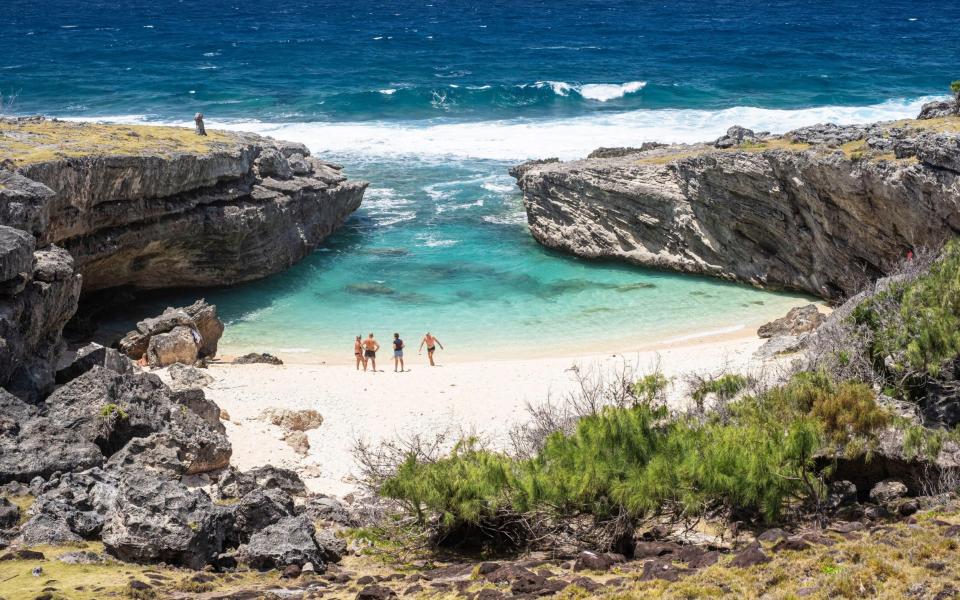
(370, 347)
(397, 352)
(431, 343)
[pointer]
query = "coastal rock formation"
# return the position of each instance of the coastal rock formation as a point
(822, 209)
(179, 335)
(156, 207)
(39, 290)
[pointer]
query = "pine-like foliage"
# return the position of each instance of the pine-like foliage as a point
(636, 461)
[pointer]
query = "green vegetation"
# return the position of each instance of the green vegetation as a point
(724, 387)
(650, 388)
(915, 326)
(955, 90)
(110, 409)
(635, 461)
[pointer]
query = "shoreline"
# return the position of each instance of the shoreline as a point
(740, 331)
(484, 397)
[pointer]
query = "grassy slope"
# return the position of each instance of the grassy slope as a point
(41, 141)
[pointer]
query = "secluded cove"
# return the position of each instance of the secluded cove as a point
(443, 246)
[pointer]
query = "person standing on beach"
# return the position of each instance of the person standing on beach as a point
(431, 343)
(358, 353)
(397, 352)
(370, 347)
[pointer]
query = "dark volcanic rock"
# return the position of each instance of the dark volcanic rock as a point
(37, 299)
(259, 509)
(749, 556)
(888, 491)
(289, 541)
(162, 521)
(93, 355)
(257, 358)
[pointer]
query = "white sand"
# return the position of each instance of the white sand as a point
(488, 397)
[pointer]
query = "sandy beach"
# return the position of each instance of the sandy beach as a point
(485, 396)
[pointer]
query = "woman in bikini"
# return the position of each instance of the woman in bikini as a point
(431, 343)
(358, 353)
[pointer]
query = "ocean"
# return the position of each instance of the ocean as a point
(432, 102)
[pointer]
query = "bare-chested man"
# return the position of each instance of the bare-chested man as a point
(431, 343)
(370, 347)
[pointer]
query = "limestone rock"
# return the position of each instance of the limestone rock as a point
(184, 377)
(91, 355)
(786, 216)
(887, 491)
(298, 441)
(292, 420)
(801, 319)
(156, 219)
(9, 513)
(938, 109)
(177, 346)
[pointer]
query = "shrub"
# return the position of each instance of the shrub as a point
(724, 387)
(915, 325)
(955, 89)
(651, 388)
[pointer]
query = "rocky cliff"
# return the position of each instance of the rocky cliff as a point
(88, 207)
(153, 207)
(822, 209)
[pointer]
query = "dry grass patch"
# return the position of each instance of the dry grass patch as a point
(30, 142)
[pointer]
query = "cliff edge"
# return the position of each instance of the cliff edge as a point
(821, 209)
(152, 207)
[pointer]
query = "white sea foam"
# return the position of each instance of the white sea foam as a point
(514, 218)
(606, 91)
(388, 91)
(499, 188)
(567, 138)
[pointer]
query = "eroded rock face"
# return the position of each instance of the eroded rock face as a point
(777, 214)
(248, 207)
(801, 319)
(39, 290)
(162, 521)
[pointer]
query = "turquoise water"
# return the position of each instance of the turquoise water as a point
(432, 102)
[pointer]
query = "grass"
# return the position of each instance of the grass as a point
(36, 142)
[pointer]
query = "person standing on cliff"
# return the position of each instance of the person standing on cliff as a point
(431, 343)
(370, 347)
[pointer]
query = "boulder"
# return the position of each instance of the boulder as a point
(289, 541)
(36, 446)
(292, 420)
(749, 556)
(735, 136)
(327, 508)
(16, 253)
(938, 109)
(259, 509)
(184, 377)
(179, 345)
(91, 355)
(888, 491)
(298, 441)
(233, 483)
(799, 320)
(71, 507)
(199, 320)
(156, 520)
(257, 358)
(195, 400)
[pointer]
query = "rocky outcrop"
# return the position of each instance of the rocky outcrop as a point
(822, 209)
(38, 295)
(178, 335)
(153, 215)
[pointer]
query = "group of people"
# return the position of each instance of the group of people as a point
(365, 351)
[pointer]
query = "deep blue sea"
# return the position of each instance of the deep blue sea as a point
(432, 101)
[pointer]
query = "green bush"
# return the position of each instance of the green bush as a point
(913, 344)
(955, 89)
(650, 388)
(724, 387)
